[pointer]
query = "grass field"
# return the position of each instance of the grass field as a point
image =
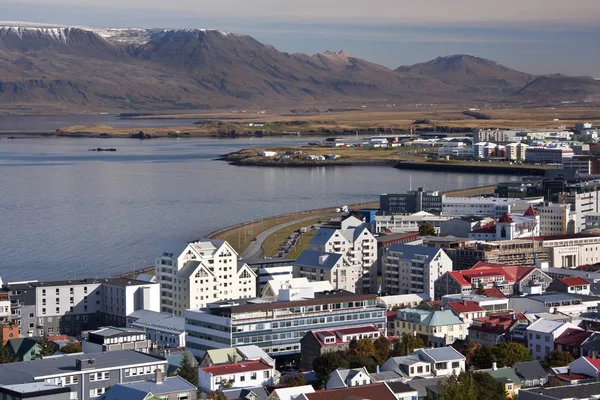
(273, 243)
(302, 244)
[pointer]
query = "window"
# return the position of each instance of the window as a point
(266, 374)
(242, 378)
(455, 364)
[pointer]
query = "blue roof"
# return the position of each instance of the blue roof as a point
(408, 251)
(311, 258)
(141, 389)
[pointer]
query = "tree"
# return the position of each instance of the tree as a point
(73, 347)
(216, 396)
(382, 349)
(329, 362)
(509, 353)
(461, 387)
(46, 347)
(483, 357)
(362, 347)
(296, 380)
(187, 370)
(368, 362)
(558, 358)
(553, 381)
(427, 229)
(488, 388)
(406, 345)
(5, 356)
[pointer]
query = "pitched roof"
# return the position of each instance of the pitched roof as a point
(464, 306)
(242, 393)
(236, 368)
(574, 281)
(503, 375)
(291, 392)
(317, 259)
(482, 269)
(494, 292)
(506, 219)
(530, 212)
(377, 391)
(595, 362)
(140, 389)
(530, 370)
(18, 347)
(573, 337)
(593, 342)
(545, 326)
(447, 353)
(323, 235)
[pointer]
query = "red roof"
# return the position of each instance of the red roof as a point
(506, 219)
(530, 212)
(236, 368)
(342, 332)
(574, 281)
(493, 292)
(464, 306)
(573, 337)
(573, 377)
(490, 227)
(391, 315)
(594, 361)
(484, 269)
(377, 391)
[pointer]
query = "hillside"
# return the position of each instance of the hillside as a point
(68, 69)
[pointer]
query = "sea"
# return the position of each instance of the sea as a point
(67, 212)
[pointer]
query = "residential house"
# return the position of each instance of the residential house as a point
(291, 393)
(426, 386)
(316, 343)
(250, 393)
(571, 340)
(88, 376)
(23, 349)
(436, 328)
(235, 375)
(167, 388)
(235, 354)
(402, 390)
(494, 328)
(343, 378)
(413, 269)
(163, 329)
(379, 391)
(587, 366)
(441, 361)
(573, 285)
(508, 279)
(466, 310)
(408, 367)
(541, 335)
(114, 339)
(507, 377)
(531, 373)
(591, 347)
(35, 390)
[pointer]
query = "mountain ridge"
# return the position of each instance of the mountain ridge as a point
(148, 69)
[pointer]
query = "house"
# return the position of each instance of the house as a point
(413, 269)
(574, 285)
(531, 373)
(571, 340)
(170, 388)
(343, 378)
(88, 376)
(541, 335)
(586, 366)
(436, 328)
(379, 391)
(591, 347)
(250, 393)
(113, 339)
(466, 310)
(35, 390)
(267, 153)
(402, 390)
(507, 376)
(441, 361)
(408, 367)
(203, 272)
(568, 392)
(508, 279)
(235, 354)
(23, 349)
(235, 375)
(291, 393)
(426, 386)
(316, 343)
(493, 329)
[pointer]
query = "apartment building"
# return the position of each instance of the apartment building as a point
(164, 330)
(88, 376)
(548, 155)
(332, 268)
(356, 245)
(72, 306)
(398, 223)
(584, 198)
(5, 311)
(413, 269)
(541, 335)
(557, 219)
(204, 272)
(270, 269)
(278, 325)
(411, 202)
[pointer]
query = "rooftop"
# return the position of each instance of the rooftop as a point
(317, 259)
(574, 281)
(442, 353)
(236, 368)
(139, 390)
(111, 331)
(581, 391)
(545, 326)
(464, 306)
(24, 390)
(410, 251)
(573, 337)
(123, 282)
(377, 391)
(158, 320)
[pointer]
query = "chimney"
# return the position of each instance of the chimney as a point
(158, 376)
(494, 366)
(377, 371)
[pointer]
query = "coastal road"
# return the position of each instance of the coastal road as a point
(254, 249)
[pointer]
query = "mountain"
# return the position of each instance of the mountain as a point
(74, 68)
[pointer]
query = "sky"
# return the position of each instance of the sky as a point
(535, 36)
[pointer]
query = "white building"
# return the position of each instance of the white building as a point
(273, 287)
(163, 329)
(516, 151)
(268, 153)
(332, 268)
(557, 219)
(5, 312)
(113, 338)
(583, 203)
(541, 335)
(509, 227)
(399, 223)
(343, 378)
(357, 246)
(574, 251)
(455, 149)
(440, 361)
(413, 269)
(484, 206)
(205, 271)
(235, 375)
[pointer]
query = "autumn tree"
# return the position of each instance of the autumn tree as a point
(557, 358)
(187, 370)
(406, 345)
(427, 229)
(382, 349)
(362, 347)
(5, 356)
(73, 347)
(296, 380)
(329, 362)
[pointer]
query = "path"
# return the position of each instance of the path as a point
(254, 249)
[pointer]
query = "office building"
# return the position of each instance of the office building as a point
(485, 206)
(411, 202)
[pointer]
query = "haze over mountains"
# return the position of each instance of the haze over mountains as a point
(151, 69)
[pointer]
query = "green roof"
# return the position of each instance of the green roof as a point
(504, 375)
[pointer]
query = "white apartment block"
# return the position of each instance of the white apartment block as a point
(515, 151)
(357, 246)
(332, 268)
(413, 269)
(206, 271)
(399, 223)
(582, 204)
(557, 219)
(484, 206)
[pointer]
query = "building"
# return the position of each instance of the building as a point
(379, 391)
(507, 376)
(291, 393)
(493, 329)
(316, 343)
(509, 227)
(169, 388)
(571, 340)
(87, 376)
(567, 392)
(5, 311)
(557, 219)
(485, 206)
(584, 199)
(570, 305)
(548, 155)
(498, 136)
(531, 373)
(571, 251)
(23, 349)
(413, 269)
(205, 271)
(483, 275)
(270, 269)
(343, 378)
(441, 361)
(115, 339)
(235, 354)
(516, 151)
(277, 326)
(506, 252)
(331, 268)
(491, 303)
(583, 164)
(573, 285)
(164, 330)
(273, 287)
(411, 202)
(541, 335)
(591, 346)
(72, 306)
(401, 223)
(435, 328)
(356, 245)
(466, 310)
(462, 226)
(35, 390)
(403, 300)
(235, 375)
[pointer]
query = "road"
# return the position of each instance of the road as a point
(254, 249)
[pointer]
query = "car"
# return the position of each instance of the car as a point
(253, 239)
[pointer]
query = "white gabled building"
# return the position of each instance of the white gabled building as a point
(328, 267)
(204, 272)
(235, 375)
(343, 378)
(413, 269)
(541, 335)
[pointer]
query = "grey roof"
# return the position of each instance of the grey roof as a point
(323, 235)
(581, 391)
(140, 389)
(409, 251)
(347, 374)
(157, 320)
(29, 371)
(408, 360)
(386, 376)
(421, 385)
(442, 353)
(530, 370)
(311, 258)
(399, 387)
(39, 388)
(593, 342)
(189, 268)
(123, 282)
(243, 393)
(146, 278)
(111, 331)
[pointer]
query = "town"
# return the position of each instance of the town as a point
(492, 293)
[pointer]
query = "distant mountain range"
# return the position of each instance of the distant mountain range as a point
(150, 69)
